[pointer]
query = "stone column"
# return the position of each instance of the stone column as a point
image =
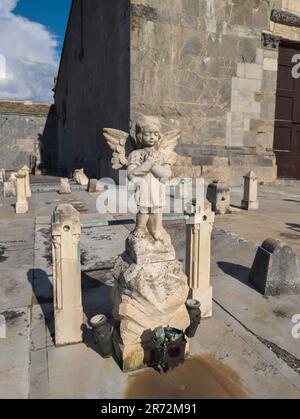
(198, 256)
(21, 204)
(26, 170)
(250, 201)
(68, 311)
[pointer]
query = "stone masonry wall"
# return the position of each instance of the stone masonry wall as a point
(22, 127)
(92, 90)
(203, 62)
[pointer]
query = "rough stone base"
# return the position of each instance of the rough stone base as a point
(148, 296)
(138, 356)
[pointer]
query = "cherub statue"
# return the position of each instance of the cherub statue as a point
(149, 166)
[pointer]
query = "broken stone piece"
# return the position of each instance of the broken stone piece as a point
(93, 186)
(10, 186)
(65, 188)
(218, 194)
(275, 269)
(80, 177)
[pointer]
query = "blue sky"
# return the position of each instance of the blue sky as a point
(31, 39)
(51, 13)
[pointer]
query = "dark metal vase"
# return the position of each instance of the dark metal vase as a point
(102, 332)
(193, 307)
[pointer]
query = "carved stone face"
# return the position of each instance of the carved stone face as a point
(150, 136)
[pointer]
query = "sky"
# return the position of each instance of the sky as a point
(31, 39)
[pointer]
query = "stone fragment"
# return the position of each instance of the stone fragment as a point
(65, 188)
(93, 186)
(10, 186)
(80, 177)
(218, 194)
(250, 201)
(275, 269)
(21, 204)
(68, 311)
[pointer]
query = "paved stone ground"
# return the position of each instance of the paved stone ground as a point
(245, 351)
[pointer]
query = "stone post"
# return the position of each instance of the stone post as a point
(68, 311)
(2, 175)
(26, 170)
(218, 194)
(198, 256)
(250, 201)
(21, 204)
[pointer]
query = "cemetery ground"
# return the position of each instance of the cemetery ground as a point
(246, 350)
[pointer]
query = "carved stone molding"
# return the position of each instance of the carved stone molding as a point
(270, 41)
(285, 18)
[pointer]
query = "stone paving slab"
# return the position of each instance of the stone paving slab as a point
(79, 372)
(14, 354)
(269, 318)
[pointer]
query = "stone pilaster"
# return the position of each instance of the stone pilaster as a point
(68, 309)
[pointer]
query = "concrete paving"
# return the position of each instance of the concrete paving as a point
(245, 351)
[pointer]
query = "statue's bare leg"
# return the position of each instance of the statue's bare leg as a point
(156, 228)
(141, 230)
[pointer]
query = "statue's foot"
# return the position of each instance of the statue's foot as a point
(140, 233)
(161, 235)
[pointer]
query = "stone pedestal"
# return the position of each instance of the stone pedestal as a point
(198, 257)
(26, 170)
(250, 201)
(218, 194)
(68, 311)
(21, 204)
(150, 291)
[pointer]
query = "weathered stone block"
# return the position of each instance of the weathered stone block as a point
(275, 269)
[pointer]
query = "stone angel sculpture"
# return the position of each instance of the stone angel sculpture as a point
(149, 166)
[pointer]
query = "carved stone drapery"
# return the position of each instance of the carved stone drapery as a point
(285, 18)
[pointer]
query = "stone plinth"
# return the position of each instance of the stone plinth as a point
(218, 194)
(68, 311)
(21, 204)
(250, 201)
(147, 294)
(275, 269)
(198, 257)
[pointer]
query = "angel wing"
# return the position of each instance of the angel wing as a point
(116, 140)
(169, 141)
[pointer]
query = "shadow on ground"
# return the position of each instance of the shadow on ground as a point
(236, 271)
